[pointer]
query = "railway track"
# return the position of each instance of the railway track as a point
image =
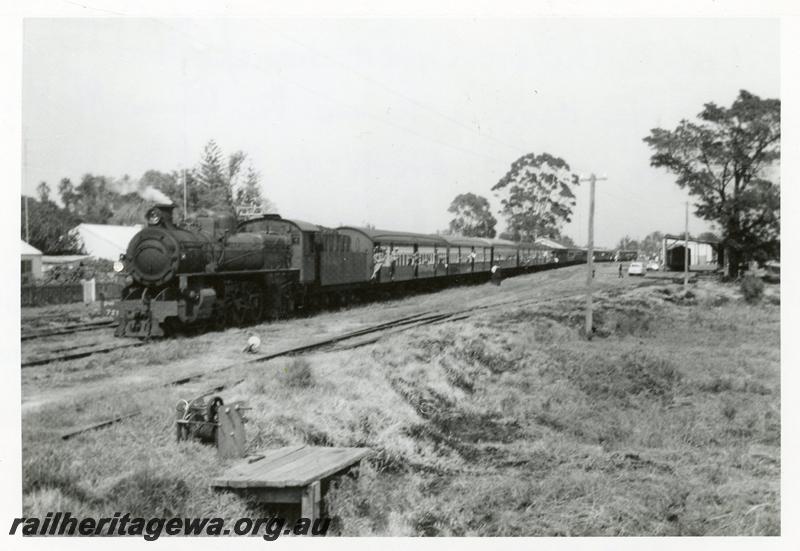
(67, 330)
(401, 324)
(72, 353)
(408, 322)
(361, 337)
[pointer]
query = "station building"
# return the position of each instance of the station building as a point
(703, 254)
(31, 261)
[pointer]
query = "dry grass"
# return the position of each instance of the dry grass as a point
(507, 423)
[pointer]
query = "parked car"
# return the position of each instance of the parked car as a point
(636, 268)
(652, 265)
(772, 272)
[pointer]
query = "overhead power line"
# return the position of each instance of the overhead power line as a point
(401, 95)
(246, 61)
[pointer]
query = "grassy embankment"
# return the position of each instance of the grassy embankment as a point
(507, 423)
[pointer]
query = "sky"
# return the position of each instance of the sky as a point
(386, 120)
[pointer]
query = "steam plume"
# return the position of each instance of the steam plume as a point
(152, 194)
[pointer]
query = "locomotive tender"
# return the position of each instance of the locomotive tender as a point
(218, 273)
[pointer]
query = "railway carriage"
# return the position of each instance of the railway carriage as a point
(505, 254)
(468, 255)
(403, 256)
(215, 272)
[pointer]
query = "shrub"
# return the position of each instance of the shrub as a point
(633, 373)
(752, 288)
(297, 374)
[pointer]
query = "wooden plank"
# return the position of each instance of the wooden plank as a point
(290, 467)
(262, 458)
(309, 504)
(261, 469)
(253, 474)
(273, 495)
(325, 462)
(241, 468)
(321, 458)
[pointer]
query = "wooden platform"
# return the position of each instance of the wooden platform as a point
(289, 475)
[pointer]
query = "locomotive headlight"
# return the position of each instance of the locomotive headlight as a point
(118, 266)
(153, 217)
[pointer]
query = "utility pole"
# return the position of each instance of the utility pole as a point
(24, 171)
(27, 233)
(590, 254)
(686, 249)
(183, 177)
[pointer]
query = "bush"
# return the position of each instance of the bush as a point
(633, 373)
(752, 288)
(297, 374)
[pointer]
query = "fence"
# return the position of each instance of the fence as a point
(42, 295)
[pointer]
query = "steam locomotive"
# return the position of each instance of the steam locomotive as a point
(219, 273)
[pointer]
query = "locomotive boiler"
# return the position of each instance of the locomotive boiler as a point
(180, 276)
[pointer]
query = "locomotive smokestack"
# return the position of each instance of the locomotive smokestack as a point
(160, 215)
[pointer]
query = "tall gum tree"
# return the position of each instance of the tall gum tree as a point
(472, 216)
(725, 160)
(536, 196)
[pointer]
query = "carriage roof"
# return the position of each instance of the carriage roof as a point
(398, 237)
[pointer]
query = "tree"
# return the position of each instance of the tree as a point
(566, 240)
(248, 194)
(723, 160)
(49, 227)
(67, 192)
(44, 192)
(235, 164)
(91, 201)
(651, 244)
(473, 216)
(708, 236)
(129, 209)
(628, 244)
(537, 198)
(213, 183)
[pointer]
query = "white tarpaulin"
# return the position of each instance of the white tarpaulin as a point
(105, 241)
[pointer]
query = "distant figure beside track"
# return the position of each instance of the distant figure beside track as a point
(497, 275)
(620, 270)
